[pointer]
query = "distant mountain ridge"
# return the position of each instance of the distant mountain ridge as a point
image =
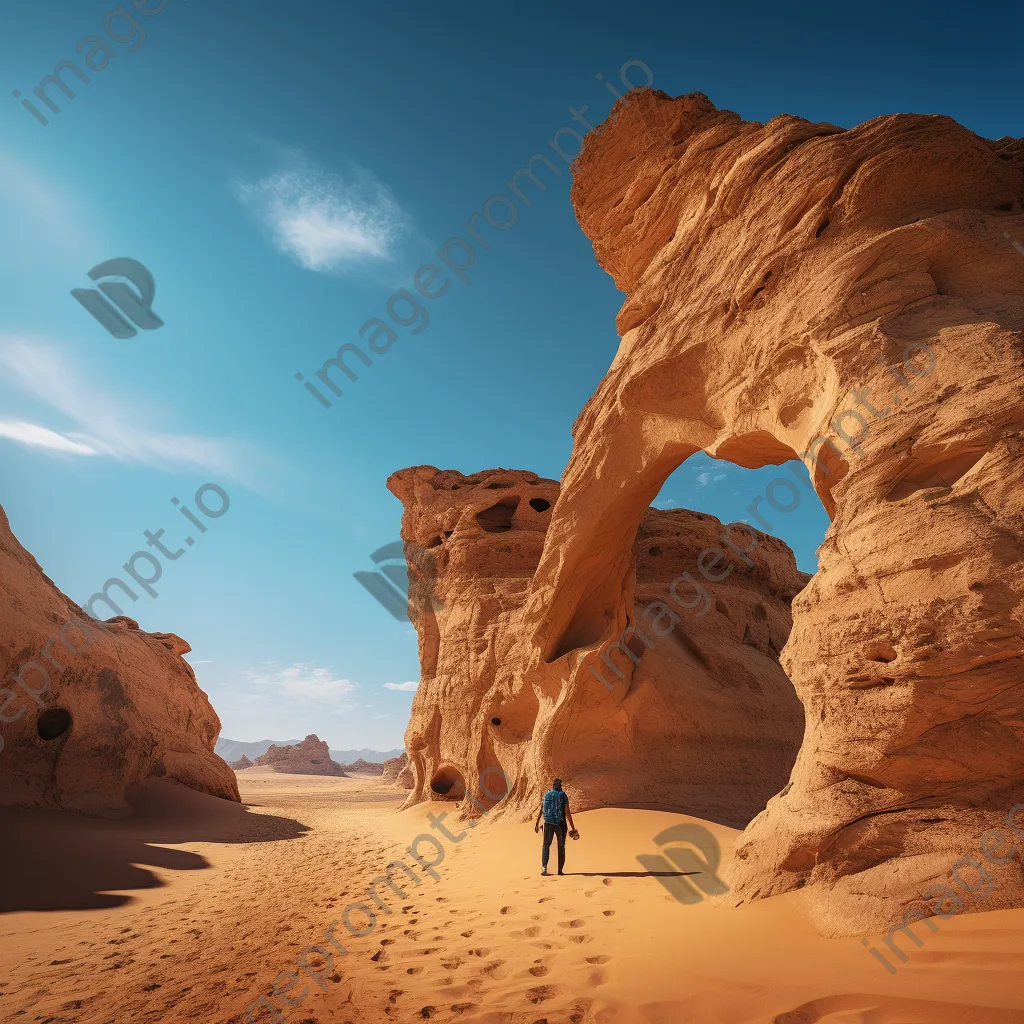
(232, 750)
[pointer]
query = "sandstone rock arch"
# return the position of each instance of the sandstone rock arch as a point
(692, 715)
(852, 298)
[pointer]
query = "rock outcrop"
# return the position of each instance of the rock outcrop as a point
(364, 766)
(89, 709)
(396, 771)
(850, 298)
(242, 763)
(310, 757)
(692, 712)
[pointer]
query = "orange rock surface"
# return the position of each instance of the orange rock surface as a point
(310, 757)
(704, 721)
(396, 771)
(850, 298)
(79, 729)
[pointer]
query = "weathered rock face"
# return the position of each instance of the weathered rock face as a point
(851, 298)
(397, 772)
(364, 766)
(704, 721)
(242, 763)
(310, 757)
(88, 710)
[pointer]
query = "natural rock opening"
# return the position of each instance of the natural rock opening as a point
(448, 783)
(498, 518)
(53, 722)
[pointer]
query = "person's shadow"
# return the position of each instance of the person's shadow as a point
(60, 860)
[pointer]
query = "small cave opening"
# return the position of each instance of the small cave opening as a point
(495, 721)
(540, 504)
(448, 784)
(881, 651)
(53, 722)
(655, 552)
(498, 518)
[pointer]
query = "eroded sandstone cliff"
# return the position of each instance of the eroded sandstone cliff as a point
(851, 298)
(691, 713)
(88, 710)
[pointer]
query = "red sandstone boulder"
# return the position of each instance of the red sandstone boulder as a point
(89, 709)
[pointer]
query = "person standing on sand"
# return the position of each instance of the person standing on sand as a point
(554, 808)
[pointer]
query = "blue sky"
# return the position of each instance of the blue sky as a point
(282, 170)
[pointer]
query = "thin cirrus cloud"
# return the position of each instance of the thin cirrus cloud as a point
(100, 427)
(303, 683)
(408, 687)
(34, 436)
(322, 221)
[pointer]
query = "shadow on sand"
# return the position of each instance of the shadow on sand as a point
(629, 874)
(59, 860)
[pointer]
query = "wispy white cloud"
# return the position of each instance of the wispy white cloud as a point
(304, 683)
(407, 687)
(103, 428)
(322, 221)
(705, 478)
(40, 437)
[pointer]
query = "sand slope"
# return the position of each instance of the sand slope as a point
(191, 909)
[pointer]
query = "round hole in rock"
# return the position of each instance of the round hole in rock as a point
(495, 721)
(655, 551)
(540, 504)
(448, 783)
(53, 722)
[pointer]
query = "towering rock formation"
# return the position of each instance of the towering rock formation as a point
(310, 757)
(690, 712)
(89, 709)
(851, 298)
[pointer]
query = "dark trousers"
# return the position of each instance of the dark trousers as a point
(550, 830)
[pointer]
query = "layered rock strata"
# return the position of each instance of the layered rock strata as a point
(690, 713)
(89, 709)
(852, 298)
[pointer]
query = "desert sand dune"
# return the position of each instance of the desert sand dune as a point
(214, 902)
